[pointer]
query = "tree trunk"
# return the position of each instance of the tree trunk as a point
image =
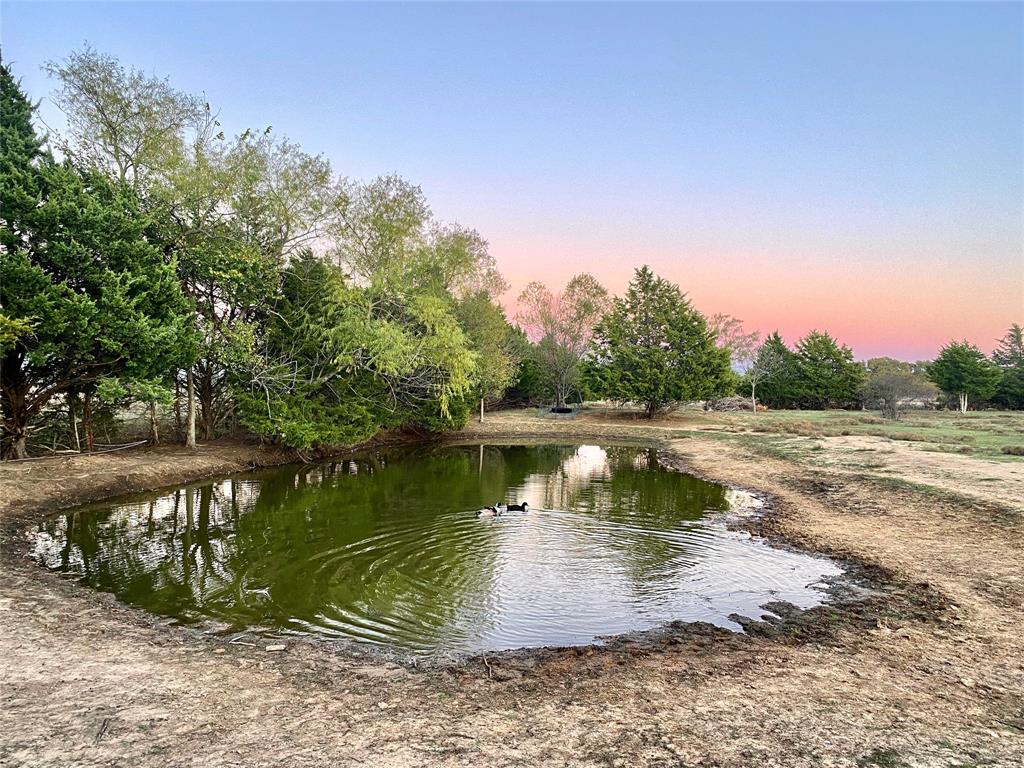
(753, 400)
(15, 435)
(206, 397)
(190, 423)
(179, 425)
(481, 410)
(87, 421)
(76, 441)
(154, 428)
(963, 402)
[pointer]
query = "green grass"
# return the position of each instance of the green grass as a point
(982, 434)
(883, 758)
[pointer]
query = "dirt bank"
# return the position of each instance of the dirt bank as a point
(86, 681)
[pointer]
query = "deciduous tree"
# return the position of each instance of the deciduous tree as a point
(561, 326)
(891, 384)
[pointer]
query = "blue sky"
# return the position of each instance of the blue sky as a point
(852, 166)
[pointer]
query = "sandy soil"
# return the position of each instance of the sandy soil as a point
(929, 674)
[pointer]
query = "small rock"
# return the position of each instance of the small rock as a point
(383, 705)
(966, 682)
(273, 648)
(218, 650)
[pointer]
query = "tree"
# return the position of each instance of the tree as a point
(492, 339)
(730, 334)
(766, 360)
(776, 372)
(961, 370)
(228, 211)
(742, 346)
(77, 270)
(562, 325)
(827, 373)
(1009, 356)
(310, 387)
(413, 273)
(654, 348)
(890, 384)
(528, 387)
(122, 121)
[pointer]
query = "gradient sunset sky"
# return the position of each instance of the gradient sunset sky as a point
(851, 167)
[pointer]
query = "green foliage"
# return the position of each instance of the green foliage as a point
(1009, 356)
(962, 371)
(494, 341)
(827, 373)
(122, 392)
(338, 363)
(122, 121)
(529, 387)
(820, 373)
(430, 418)
(304, 390)
(654, 348)
(777, 374)
(303, 419)
(76, 269)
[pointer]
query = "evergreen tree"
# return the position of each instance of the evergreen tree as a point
(827, 374)
(1009, 356)
(86, 294)
(305, 389)
(654, 348)
(962, 371)
(778, 374)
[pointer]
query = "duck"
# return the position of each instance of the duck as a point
(522, 506)
(489, 512)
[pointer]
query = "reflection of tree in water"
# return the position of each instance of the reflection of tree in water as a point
(627, 487)
(163, 553)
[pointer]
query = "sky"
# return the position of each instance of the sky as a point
(850, 167)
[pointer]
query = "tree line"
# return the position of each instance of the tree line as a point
(148, 260)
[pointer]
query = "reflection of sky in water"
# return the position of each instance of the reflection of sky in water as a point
(386, 549)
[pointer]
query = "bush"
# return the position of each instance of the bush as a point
(304, 422)
(1013, 450)
(431, 419)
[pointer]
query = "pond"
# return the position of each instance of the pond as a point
(385, 548)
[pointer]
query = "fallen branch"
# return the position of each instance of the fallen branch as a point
(102, 730)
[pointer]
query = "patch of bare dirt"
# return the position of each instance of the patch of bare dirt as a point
(85, 681)
(996, 481)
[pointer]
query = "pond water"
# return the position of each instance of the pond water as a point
(386, 548)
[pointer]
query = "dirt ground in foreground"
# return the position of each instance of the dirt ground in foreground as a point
(85, 681)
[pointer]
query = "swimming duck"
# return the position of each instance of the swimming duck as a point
(489, 512)
(522, 506)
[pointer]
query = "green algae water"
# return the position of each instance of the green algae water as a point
(385, 548)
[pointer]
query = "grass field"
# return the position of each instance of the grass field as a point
(984, 434)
